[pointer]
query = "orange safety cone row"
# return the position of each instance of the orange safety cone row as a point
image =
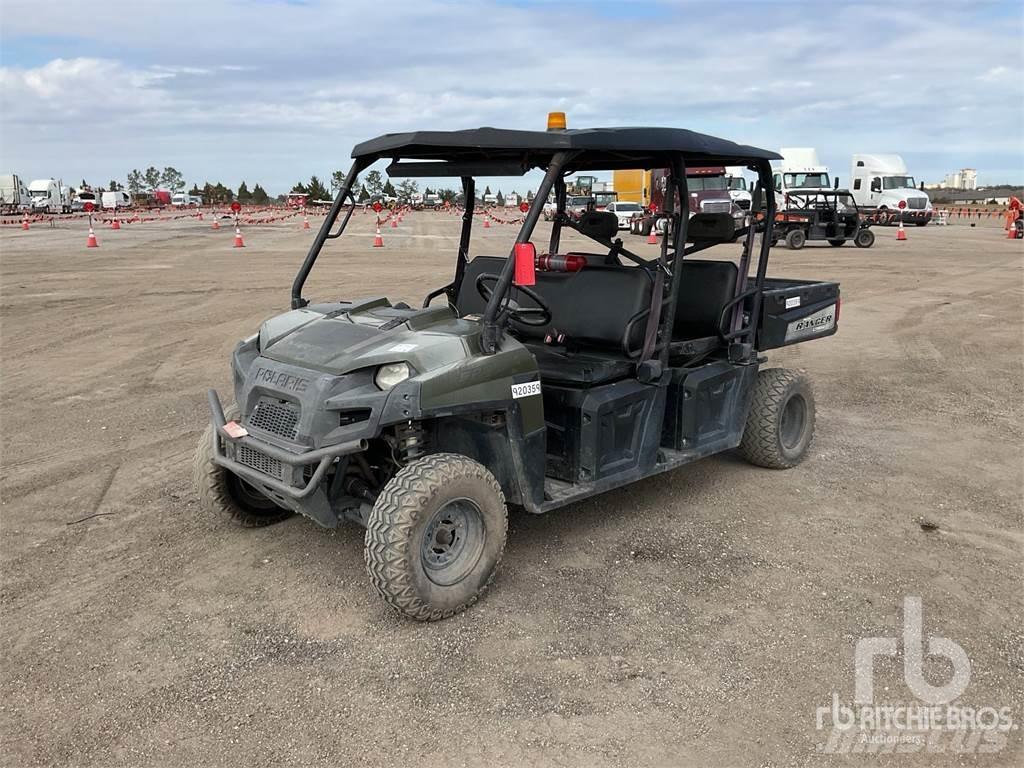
(238, 238)
(900, 233)
(92, 242)
(378, 241)
(115, 224)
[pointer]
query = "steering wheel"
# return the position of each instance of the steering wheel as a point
(533, 316)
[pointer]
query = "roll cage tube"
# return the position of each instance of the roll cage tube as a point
(325, 232)
(452, 289)
(492, 332)
(675, 273)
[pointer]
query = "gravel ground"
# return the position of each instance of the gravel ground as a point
(696, 618)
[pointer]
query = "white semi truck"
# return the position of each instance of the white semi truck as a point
(879, 183)
(49, 196)
(801, 170)
(739, 187)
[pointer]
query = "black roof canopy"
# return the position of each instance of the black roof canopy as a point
(598, 148)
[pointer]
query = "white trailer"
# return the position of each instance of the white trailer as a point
(13, 194)
(879, 183)
(115, 200)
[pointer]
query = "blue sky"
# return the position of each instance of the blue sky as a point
(273, 91)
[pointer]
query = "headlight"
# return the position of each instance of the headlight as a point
(391, 374)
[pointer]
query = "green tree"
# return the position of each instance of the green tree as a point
(134, 182)
(364, 194)
(529, 195)
(337, 181)
(172, 179)
(259, 195)
(115, 187)
(374, 183)
(195, 190)
(317, 191)
(243, 193)
(389, 190)
(300, 189)
(151, 178)
(500, 199)
(407, 189)
(448, 195)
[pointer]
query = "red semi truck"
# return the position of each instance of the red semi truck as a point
(708, 188)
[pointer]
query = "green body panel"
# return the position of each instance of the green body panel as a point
(444, 352)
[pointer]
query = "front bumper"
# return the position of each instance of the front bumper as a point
(322, 458)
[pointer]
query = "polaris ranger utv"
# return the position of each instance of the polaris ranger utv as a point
(532, 380)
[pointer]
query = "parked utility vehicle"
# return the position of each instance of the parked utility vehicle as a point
(513, 384)
(822, 214)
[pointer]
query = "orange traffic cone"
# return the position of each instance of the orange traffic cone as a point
(115, 224)
(238, 238)
(487, 222)
(24, 222)
(394, 223)
(305, 221)
(900, 233)
(199, 215)
(216, 224)
(92, 242)
(652, 238)
(1011, 231)
(378, 241)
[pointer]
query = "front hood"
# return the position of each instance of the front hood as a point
(346, 337)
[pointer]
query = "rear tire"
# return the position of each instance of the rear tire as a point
(865, 239)
(435, 536)
(223, 493)
(795, 239)
(780, 424)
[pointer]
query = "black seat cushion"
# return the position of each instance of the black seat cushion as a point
(715, 227)
(705, 288)
(591, 307)
(601, 225)
(557, 366)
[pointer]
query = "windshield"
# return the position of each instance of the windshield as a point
(898, 182)
(737, 183)
(702, 183)
(628, 207)
(799, 180)
(577, 201)
(39, 193)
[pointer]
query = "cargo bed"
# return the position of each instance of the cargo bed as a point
(797, 310)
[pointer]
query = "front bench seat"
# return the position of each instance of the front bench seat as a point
(591, 308)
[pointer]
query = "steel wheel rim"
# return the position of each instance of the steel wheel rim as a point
(452, 542)
(793, 422)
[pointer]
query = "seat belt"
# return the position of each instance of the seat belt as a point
(654, 318)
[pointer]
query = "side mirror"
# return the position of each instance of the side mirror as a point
(836, 184)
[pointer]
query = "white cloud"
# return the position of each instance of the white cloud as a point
(277, 91)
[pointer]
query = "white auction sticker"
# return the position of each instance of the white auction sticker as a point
(402, 348)
(525, 390)
(792, 301)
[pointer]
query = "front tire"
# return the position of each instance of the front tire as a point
(224, 493)
(795, 239)
(865, 239)
(435, 536)
(780, 424)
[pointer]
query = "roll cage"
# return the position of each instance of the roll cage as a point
(492, 152)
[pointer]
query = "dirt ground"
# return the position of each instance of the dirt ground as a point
(697, 618)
